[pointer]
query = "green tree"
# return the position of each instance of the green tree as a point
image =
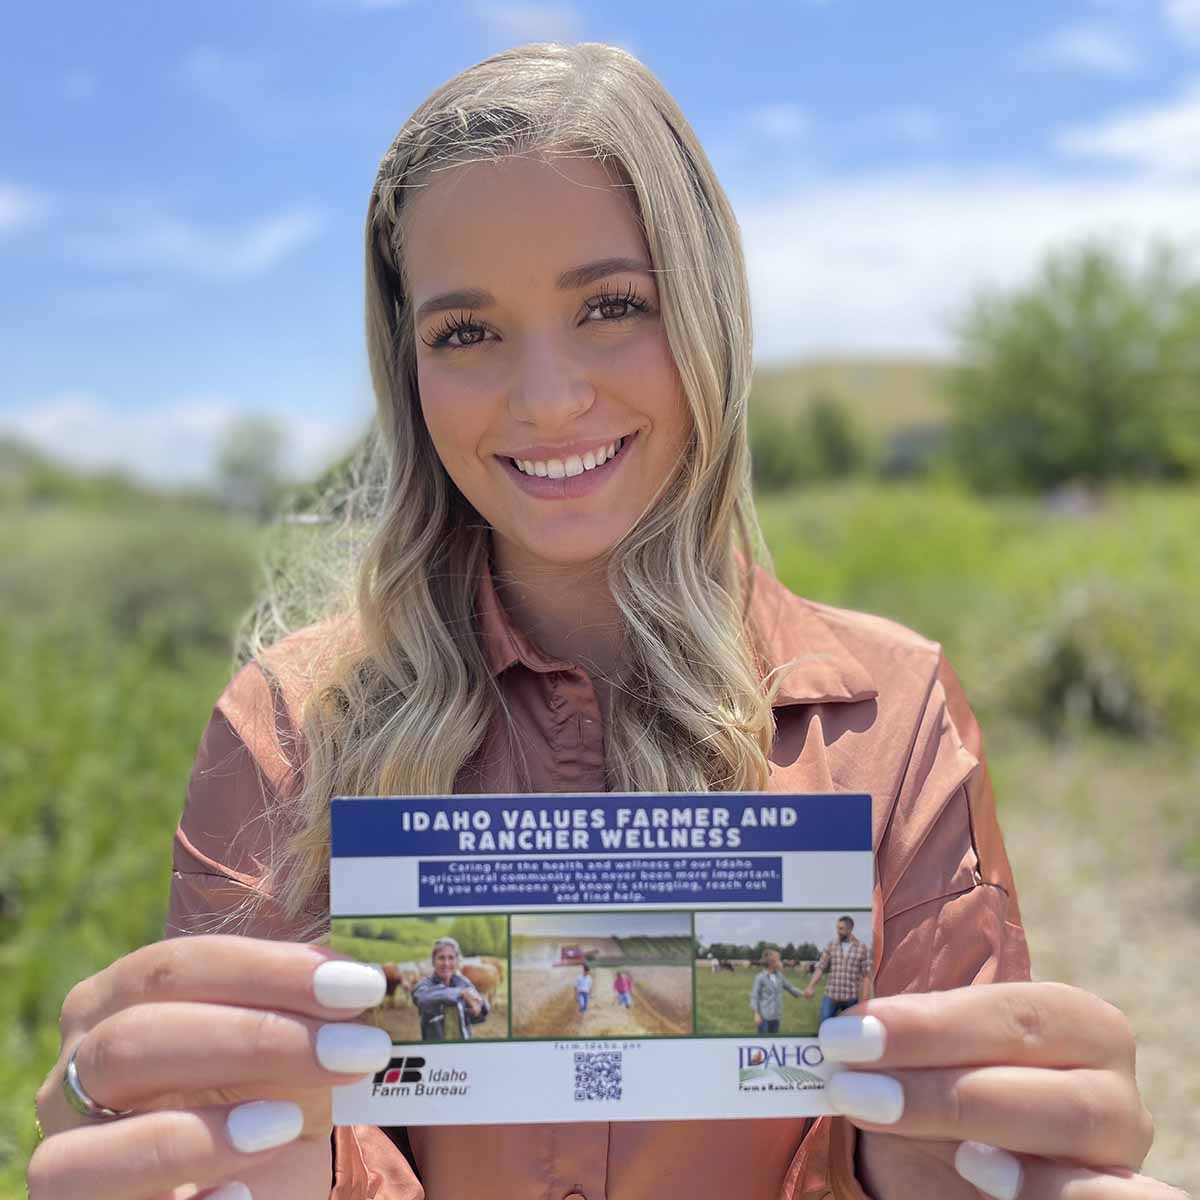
(835, 446)
(250, 464)
(1090, 373)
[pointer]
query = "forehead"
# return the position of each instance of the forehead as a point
(515, 223)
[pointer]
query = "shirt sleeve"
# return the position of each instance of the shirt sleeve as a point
(945, 890)
(429, 995)
(823, 961)
(245, 762)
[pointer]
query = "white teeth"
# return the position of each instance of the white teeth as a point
(557, 468)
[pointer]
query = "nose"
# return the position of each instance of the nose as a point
(548, 390)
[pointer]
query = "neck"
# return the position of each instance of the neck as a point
(567, 611)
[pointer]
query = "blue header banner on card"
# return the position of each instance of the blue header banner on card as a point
(600, 823)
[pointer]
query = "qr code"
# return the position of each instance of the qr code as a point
(598, 1075)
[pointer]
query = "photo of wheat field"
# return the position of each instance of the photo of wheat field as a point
(597, 975)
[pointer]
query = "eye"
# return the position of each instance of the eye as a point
(628, 299)
(470, 331)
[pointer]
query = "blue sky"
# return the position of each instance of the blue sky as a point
(182, 186)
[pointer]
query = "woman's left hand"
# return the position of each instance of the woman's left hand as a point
(1024, 1091)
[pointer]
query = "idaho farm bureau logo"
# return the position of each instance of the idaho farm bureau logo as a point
(779, 1067)
(408, 1077)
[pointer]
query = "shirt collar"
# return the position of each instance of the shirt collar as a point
(789, 628)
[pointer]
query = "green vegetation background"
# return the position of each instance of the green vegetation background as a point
(116, 607)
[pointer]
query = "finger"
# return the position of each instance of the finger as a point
(1091, 1117)
(1028, 1024)
(1005, 1176)
(142, 1156)
(142, 1052)
(225, 969)
(308, 1158)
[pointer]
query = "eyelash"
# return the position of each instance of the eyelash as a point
(456, 322)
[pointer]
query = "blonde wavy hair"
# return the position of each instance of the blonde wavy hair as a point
(402, 705)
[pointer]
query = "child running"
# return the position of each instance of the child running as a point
(623, 986)
(583, 987)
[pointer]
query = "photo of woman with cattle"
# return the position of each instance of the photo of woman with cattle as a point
(447, 977)
(778, 972)
(573, 975)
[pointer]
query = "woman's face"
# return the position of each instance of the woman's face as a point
(444, 962)
(551, 358)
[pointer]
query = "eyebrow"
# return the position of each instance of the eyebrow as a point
(569, 280)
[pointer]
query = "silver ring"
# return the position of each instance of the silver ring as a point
(81, 1102)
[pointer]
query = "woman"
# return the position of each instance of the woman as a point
(446, 988)
(554, 281)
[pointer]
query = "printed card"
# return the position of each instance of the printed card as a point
(608, 957)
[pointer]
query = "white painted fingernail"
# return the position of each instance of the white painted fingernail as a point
(340, 983)
(353, 1047)
(993, 1171)
(231, 1191)
(852, 1039)
(875, 1098)
(262, 1124)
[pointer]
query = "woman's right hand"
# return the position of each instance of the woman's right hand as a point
(225, 1049)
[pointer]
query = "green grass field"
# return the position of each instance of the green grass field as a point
(723, 1003)
(114, 643)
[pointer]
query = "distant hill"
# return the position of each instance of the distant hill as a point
(883, 394)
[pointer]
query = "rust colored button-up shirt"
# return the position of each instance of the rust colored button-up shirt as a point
(869, 706)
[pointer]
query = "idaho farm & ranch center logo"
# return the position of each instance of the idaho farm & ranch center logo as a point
(779, 1067)
(408, 1077)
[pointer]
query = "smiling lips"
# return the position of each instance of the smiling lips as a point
(573, 464)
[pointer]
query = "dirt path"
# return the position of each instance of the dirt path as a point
(559, 1016)
(1096, 836)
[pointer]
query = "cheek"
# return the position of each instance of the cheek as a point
(456, 417)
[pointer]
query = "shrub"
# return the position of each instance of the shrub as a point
(1111, 659)
(820, 441)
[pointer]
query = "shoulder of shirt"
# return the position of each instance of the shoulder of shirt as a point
(892, 655)
(264, 701)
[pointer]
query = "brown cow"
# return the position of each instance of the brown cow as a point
(485, 979)
(401, 979)
(489, 960)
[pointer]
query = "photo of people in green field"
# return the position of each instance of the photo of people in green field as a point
(779, 972)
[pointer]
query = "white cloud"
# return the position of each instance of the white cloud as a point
(780, 122)
(19, 207)
(1162, 138)
(884, 263)
(1090, 47)
(1183, 16)
(174, 245)
(533, 22)
(171, 443)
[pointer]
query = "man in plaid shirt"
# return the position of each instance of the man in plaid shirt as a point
(848, 963)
